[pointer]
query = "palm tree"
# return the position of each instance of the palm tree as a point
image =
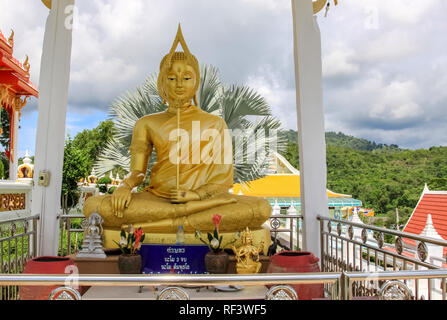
(243, 109)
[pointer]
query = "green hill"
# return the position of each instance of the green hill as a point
(383, 177)
(342, 140)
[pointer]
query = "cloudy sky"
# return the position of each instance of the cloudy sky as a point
(384, 61)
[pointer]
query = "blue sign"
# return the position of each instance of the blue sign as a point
(182, 259)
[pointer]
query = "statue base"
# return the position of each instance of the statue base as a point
(259, 235)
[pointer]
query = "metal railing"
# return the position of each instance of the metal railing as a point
(399, 287)
(18, 241)
(391, 285)
(355, 247)
(283, 281)
(71, 233)
(289, 237)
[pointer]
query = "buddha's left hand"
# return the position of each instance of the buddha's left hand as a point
(182, 196)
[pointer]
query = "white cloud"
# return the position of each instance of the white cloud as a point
(339, 63)
(396, 101)
(385, 82)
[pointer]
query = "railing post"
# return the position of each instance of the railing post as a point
(346, 290)
(35, 237)
(322, 259)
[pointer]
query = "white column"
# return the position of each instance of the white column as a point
(311, 133)
(13, 165)
(53, 93)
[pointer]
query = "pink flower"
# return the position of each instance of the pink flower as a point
(138, 234)
(216, 220)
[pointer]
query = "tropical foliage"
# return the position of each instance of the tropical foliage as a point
(384, 177)
(242, 108)
(79, 156)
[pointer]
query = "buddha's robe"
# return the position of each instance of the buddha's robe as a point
(205, 149)
(205, 167)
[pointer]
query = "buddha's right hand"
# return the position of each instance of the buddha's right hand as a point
(120, 200)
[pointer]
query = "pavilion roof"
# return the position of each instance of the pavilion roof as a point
(278, 186)
(13, 74)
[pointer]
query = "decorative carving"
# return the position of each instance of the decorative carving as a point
(275, 223)
(329, 227)
(339, 229)
(351, 232)
(13, 229)
(422, 251)
(394, 290)
(64, 293)
(318, 5)
(364, 235)
(13, 201)
(47, 3)
(281, 292)
(380, 240)
(173, 293)
(26, 65)
(399, 245)
(11, 39)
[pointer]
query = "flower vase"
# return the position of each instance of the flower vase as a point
(216, 262)
(129, 263)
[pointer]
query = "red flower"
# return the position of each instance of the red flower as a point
(216, 220)
(138, 234)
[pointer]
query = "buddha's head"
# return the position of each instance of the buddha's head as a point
(179, 77)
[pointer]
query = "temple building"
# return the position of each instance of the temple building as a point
(25, 171)
(429, 219)
(15, 89)
(281, 186)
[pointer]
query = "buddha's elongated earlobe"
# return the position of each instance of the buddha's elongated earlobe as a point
(195, 100)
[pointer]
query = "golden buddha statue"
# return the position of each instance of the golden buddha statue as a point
(186, 188)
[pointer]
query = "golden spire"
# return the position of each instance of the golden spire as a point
(11, 38)
(179, 39)
(26, 64)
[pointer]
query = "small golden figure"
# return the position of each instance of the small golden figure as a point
(248, 255)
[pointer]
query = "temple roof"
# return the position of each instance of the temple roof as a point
(282, 184)
(433, 204)
(13, 74)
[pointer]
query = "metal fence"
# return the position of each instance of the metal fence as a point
(395, 285)
(281, 285)
(391, 285)
(71, 233)
(355, 247)
(286, 231)
(18, 240)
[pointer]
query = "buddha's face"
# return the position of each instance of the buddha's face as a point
(181, 82)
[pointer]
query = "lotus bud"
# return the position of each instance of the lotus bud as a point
(214, 243)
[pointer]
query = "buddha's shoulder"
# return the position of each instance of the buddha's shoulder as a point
(152, 119)
(211, 117)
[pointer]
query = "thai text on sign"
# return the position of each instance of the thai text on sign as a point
(12, 201)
